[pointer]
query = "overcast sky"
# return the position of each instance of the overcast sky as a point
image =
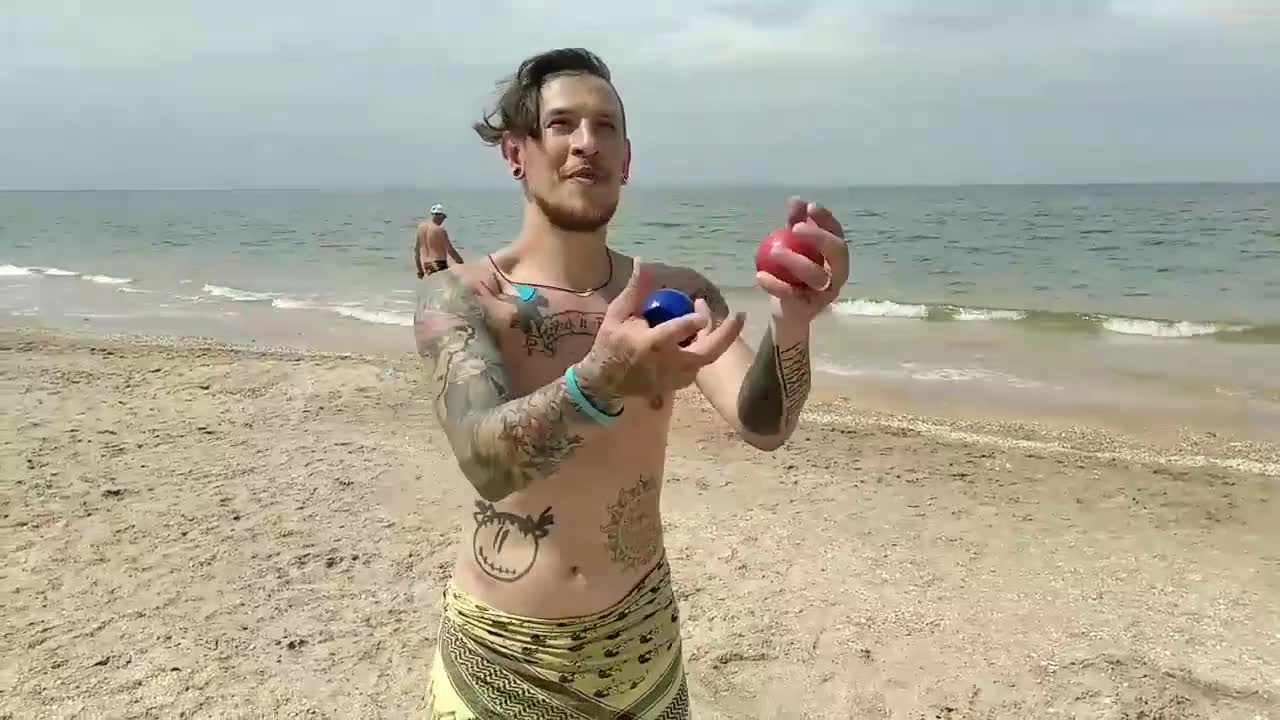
(378, 93)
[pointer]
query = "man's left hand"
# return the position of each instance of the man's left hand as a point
(820, 284)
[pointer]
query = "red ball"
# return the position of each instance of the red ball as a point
(789, 240)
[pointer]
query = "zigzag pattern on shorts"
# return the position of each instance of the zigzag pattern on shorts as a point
(494, 693)
(489, 690)
(679, 707)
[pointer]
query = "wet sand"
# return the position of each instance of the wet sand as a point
(192, 530)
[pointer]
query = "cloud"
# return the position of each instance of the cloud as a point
(150, 93)
(765, 13)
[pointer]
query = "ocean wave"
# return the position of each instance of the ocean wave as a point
(286, 303)
(1156, 328)
(830, 367)
(377, 317)
(107, 279)
(9, 270)
(1167, 328)
(909, 371)
(352, 310)
(974, 314)
(863, 307)
(238, 295)
(976, 374)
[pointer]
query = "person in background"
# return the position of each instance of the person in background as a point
(432, 245)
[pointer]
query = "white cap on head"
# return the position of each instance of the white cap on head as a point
(437, 209)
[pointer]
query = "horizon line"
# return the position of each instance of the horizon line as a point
(645, 186)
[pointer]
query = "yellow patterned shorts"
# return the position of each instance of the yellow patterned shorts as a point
(624, 662)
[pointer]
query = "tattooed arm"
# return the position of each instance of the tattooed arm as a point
(502, 444)
(760, 394)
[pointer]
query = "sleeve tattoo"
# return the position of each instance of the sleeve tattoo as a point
(775, 387)
(502, 444)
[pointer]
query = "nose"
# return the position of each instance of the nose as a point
(584, 143)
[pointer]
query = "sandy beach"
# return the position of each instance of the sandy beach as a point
(194, 530)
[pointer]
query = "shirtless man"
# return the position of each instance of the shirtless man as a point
(556, 398)
(432, 245)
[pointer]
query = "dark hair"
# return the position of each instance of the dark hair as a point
(518, 106)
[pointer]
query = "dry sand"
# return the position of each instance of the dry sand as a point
(199, 531)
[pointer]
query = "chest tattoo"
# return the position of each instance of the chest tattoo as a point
(543, 330)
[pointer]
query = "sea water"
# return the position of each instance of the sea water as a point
(1086, 294)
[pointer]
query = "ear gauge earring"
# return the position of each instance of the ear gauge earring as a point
(517, 172)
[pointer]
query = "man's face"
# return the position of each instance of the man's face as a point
(574, 172)
(438, 218)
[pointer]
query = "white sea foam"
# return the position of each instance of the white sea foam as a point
(352, 310)
(13, 271)
(976, 374)
(830, 367)
(237, 294)
(965, 313)
(378, 317)
(107, 279)
(285, 303)
(1166, 328)
(911, 371)
(864, 307)
(56, 272)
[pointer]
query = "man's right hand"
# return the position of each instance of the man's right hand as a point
(629, 358)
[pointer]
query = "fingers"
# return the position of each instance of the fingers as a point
(712, 345)
(628, 302)
(673, 332)
(796, 210)
(701, 307)
(802, 268)
(817, 224)
(825, 219)
(779, 288)
(832, 246)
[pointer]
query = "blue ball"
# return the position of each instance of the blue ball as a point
(666, 304)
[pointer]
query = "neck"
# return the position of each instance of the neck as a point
(544, 253)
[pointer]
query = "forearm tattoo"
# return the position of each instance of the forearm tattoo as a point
(502, 445)
(775, 387)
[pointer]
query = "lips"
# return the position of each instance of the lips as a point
(585, 174)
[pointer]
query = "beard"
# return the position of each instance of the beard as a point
(576, 216)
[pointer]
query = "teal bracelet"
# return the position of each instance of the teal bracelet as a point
(585, 405)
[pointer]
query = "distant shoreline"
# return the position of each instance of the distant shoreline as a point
(641, 185)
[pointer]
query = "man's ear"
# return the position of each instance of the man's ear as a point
(512, 152)
(626, 164)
